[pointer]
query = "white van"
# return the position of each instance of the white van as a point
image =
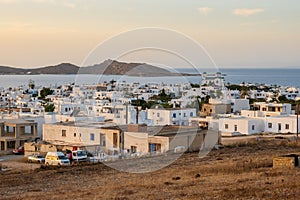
(56, 158)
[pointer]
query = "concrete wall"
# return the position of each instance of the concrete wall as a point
(137, 139)
(213, 109)
(192, 141)
(35, 148)
(240, 104)
(163, 141)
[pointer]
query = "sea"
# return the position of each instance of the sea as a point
(282, 77)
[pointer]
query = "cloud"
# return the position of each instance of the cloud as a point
(247, 12)
(205, 10)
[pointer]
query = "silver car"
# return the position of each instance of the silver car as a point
(36, 159)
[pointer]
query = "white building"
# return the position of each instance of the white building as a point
(174, 116)
(240, 126)
(281, 124)
(273, 109)
(237, 105)
(215, 80)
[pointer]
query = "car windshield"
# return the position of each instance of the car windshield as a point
(81, 153)
(62, 157)
(38, 156)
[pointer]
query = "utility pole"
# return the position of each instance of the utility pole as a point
(9, 106)
(137, 108)
(297, 109)
(126, 113)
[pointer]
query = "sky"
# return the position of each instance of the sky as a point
(235, 33)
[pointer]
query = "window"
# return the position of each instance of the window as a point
(174, 115)
(74, 134)
(157, 114)
(269, 125)
(191, 114)
(235, 127)
(102, 140)
(287, 126)
(184, 114)
(92, 136)
(279, 127)
(253, 127)
(133, 149)
(226, 126)
(64, 133)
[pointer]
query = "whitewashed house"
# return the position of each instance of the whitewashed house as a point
(240, 126)
(273, 109)
(281, 124)
(237, 105)
(173, 116)
(215, 80)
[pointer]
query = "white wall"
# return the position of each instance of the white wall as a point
(244, 125)
(291, 121)
(239, 104)
(169, 117)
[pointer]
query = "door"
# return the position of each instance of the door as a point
(115, 140)
(2, 146)
(152, 148)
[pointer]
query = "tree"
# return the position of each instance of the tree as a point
(282, 99)
(49, 107)
(162, 97)
(45, 92)
(195, 85)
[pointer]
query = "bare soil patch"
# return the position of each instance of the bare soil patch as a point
(234, 172)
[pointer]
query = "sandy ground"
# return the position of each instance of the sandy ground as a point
(235, 172)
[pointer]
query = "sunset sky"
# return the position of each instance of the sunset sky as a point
(236, 33)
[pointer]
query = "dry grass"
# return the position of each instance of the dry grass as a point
(243, 172)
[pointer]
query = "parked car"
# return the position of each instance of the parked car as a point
(180, 149)
(19, 150)
(56, 158)
(36, 158)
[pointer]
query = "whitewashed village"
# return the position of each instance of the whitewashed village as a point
(116, 120)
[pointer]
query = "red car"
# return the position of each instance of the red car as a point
(19, 150)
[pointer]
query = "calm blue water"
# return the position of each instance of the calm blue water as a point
(285, 77)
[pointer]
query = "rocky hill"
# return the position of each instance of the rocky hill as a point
(108, 67)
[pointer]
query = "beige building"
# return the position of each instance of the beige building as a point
(93, 137)
(15, 132)
(32, 148)
(132, 138)
(162, 139)
(215, 109)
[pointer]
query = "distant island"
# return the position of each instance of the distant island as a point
(108, 67)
